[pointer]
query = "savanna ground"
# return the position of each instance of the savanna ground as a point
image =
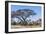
(26, 26)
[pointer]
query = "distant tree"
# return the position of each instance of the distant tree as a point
(39, 21)
(14, 23)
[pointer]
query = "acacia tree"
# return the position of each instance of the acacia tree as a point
(22, 14)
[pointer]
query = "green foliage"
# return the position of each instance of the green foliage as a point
(14, 23)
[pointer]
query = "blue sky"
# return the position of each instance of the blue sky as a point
(36, 9)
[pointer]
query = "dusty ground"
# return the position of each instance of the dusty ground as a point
(20, 26)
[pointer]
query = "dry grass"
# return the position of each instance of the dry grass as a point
(27, 26)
